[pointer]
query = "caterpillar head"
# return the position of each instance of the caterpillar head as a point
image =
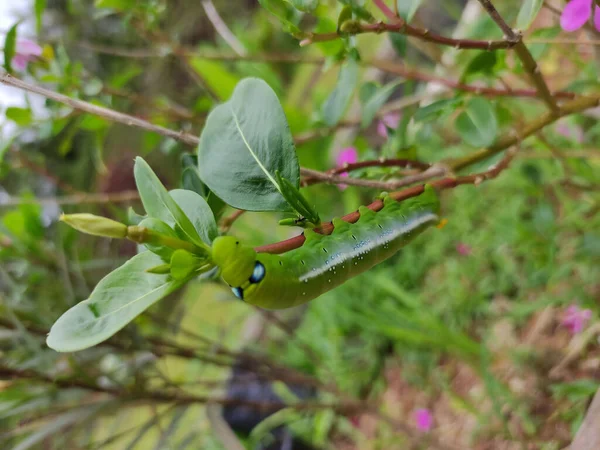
(235, 260)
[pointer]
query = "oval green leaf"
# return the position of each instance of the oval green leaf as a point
(336, 104)
(199, 213)
(477, 124)
(117, 299)
(528, 12)
(244, 142)
(159, 204)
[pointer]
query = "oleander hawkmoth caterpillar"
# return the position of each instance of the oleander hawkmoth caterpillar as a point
(323, 261)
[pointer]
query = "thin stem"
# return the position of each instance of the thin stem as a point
(400, 26)
(529, 63)
(100, 111)
(77, 199)
(384, 65)
(445, 183)
(534, 126)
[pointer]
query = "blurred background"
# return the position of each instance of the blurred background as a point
(482, 334)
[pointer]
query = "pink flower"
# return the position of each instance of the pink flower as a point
(26, 51)
(463, 249)
(390, 120)
(347, 155)
(575, 133)
(575, 318)
(577, 13)
(424, 419)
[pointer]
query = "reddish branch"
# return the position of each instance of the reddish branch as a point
(398, 25)
(445, 183)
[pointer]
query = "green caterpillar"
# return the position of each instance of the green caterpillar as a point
(324, 261)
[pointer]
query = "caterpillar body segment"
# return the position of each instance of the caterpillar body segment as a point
(324, 261)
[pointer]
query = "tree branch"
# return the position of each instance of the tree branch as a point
(529, 64)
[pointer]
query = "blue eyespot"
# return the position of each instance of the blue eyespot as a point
(258, 274)
(238, 292)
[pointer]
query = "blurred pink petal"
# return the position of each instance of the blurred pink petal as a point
(576, 319)
(19, 62)
(390, 120)
(463, 249)
(424, 419)
(575, 14)
(567, 131)
(28, 48)
(597, 17)
(348, 155)
(25, 52)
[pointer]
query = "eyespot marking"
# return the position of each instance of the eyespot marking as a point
(238, 292)
(353, 237)
(258, 273)
(380, 227)
(302, 261)
(324, 249)
(280, 262)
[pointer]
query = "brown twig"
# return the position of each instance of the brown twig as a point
(161, 396)
(227, 222)
(524, 55)
(77, 199)
(100, 111)
(386, 66)
(331, 178)
(398, 25)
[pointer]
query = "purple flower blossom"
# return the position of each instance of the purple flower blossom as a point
(575, 133)
(424, 419)
(390, 120)
(348, 155)
(463, 249)
(575, 318)
(25, 52)
(577, 13)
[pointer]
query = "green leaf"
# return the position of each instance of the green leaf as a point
(538, 50)
(119, 5)
(358, 9)
(399, 42)
(297, 200)
(305, 5)
(160, 227)
(376, 101)
(185, 264)
(215, 74)
(408, 8)
(345, 14)
(20, 116)
(528, 12)
(190, 180)
(284, 12)
(244, 142)
(159, 204)
(437, 109)
(10, 47)
(117, 299)
(482, 63)
(336, 104)
(477, 124)
(39, 7)
(199, 213)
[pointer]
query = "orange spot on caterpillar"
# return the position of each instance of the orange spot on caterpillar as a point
(442, 224)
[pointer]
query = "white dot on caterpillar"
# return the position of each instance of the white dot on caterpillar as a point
(304, 293)
(329, 281)
(306, 281)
